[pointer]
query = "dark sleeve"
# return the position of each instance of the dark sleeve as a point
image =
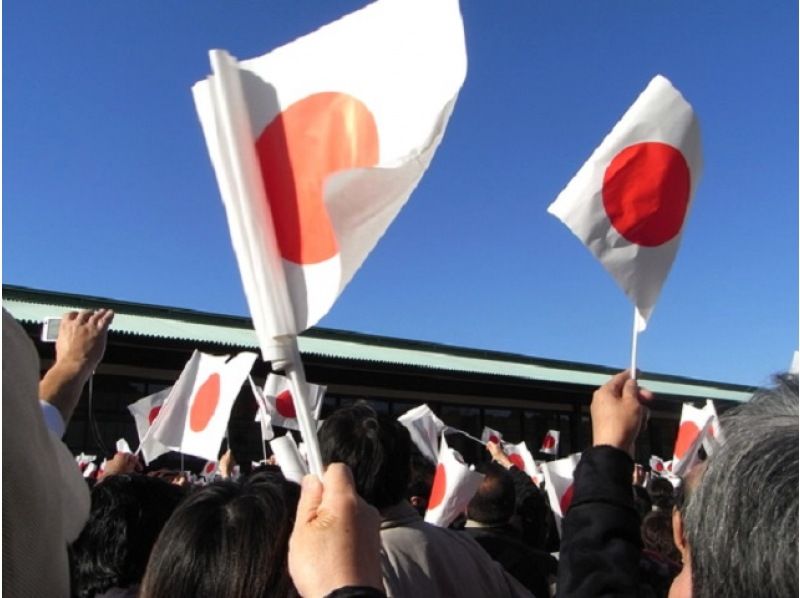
(600, 542)
(534, 513)
(356, 592)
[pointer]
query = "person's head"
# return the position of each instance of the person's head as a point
(740, 523)
(493, 503)
(641, 501)
(662, 493)
(374, 446)
(420, 482)
(226, 539)
(128, 512)
(657, 535)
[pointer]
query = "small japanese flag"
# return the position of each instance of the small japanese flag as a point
(279, 401)
(424, 428)
(698, 427)
(195, 416)
(522, 459)
(559, 478)
(629, 201)
(454, 485)
(144, 412)
(491, 435)
(550, 442)
(209, 470)
(262, 412)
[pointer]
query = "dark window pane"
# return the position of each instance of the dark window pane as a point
(505, 421)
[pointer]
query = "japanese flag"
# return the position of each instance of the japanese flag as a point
(454, 485)
(698, 428)
(84, 460)
(209, 470)
(558, 480)
(657, 466)
(521, 457)
(629, 201)
(144, 412)
(550, 442)
(195, 415)
(278, 402)
(491, 435)
(262, 413)
(424, 428)
(318, 144)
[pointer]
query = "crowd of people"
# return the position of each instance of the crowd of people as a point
(729, 529)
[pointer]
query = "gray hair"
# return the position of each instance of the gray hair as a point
(741, 521)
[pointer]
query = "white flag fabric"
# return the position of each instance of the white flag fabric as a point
(262, 412)
(558, 479)
(454, 485)
(144, 412)
(123, 446)
(550, 442)
(521, 457)
(195, 415)
(698, 427)
(289, 459)
(424, 428)
(318, 144)
(628, 202)
(491, 435)
(83, 460)
(278, 402)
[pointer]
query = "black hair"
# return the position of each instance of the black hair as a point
(662, 494)
(657, 535)
(375, 447)
(127, 514)
(494, 502)
(226, 539)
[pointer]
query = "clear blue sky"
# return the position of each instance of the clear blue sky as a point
(108, 189)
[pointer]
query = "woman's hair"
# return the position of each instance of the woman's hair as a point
(127, 514)
(226, 539)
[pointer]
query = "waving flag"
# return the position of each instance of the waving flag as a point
(195, 415)
(209, 470)
(262, 412)
(522, 459)
(698, 428)
(144, 412)
(550, 442)
(278, 402)
(491, 435)
(629, 201)
(424, 428)
(318, 145)
(558, 478)
(454, 485)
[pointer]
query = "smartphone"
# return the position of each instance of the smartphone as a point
(50, 329)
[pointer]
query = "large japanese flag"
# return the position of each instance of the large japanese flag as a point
(194, 417)
(279, 402)
(629, 201)
(318, 144)
(698, 428)
(550, 442)
(454, 485)
(144, 412)
(424, 428)
(558, 478)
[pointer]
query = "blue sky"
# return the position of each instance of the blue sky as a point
(108, 189)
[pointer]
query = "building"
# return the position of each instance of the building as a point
(520, 396)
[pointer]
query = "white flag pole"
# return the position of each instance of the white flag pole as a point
(296, 374)
(636, 329)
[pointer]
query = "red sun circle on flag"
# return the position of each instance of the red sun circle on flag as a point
(210, 467)
(686, 436)
(153, 414)
(548, 442)
(311, 139)
(646, 192)
(204, 404)
(517, 461)
(284, 403)
(659, 466)
(439, 487)
(566, 499)
(494, 438)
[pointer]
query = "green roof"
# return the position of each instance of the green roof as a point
(32, 306)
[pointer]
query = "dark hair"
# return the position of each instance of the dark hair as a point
(226, 539)
(493, 503)
(375, 447)
(662, 494)
(741, 521)
(657, 535)
(127, 513)
(641, 501)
